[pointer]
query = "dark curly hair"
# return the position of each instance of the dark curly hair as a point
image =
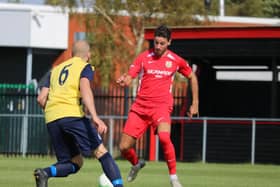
(163, 31)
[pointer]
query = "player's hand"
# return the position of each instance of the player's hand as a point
(100, 125)
(124, 80)
(121, 80)
(193, 110)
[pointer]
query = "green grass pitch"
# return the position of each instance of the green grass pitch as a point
(17, 172)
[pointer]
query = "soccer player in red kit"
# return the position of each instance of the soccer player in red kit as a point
(154, 101)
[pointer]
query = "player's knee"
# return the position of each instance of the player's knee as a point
(99, 151)
(164, 138)
(123, 147)
(126, 143)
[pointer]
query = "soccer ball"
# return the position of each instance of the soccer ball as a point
(104, 181)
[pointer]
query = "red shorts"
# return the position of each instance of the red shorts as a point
(142, 116)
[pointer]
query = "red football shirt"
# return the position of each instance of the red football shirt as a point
(157, 75)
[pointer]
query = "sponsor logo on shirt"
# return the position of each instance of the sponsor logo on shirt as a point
(168, 64)
(159, 72)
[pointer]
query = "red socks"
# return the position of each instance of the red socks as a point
(168, 150)
(131, 156)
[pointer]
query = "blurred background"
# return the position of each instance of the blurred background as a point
(232, 45)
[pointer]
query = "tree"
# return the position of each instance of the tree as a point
(14, 1)
(271, 8)
(238, 8)
(248, 8)
(64, 3)
(111, 21)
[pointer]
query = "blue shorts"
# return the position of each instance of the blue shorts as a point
(73, 136)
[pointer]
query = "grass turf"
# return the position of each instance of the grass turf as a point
(18, 171)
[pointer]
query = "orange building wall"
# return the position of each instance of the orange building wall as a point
(76, 24)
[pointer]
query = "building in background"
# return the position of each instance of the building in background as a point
(31, 38)
(238, 66)
(237, 58)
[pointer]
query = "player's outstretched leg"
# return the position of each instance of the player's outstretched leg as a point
(41, 178)
(175, 183)
(134, 170)
(170, 157)
(56, 170)
(111, 169)
(129, 153)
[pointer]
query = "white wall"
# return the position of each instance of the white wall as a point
(34, 26)
(15, 28)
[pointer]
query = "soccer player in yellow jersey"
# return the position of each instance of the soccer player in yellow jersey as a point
(72, 134)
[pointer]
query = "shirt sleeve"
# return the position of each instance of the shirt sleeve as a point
(184, 68)
(135, 67)
(47, 81)
(88, 72)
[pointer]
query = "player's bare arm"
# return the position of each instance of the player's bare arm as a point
(88, 101)
(43, 97)
(124, 80)
(195, 101)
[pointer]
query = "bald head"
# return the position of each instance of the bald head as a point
(81, 49)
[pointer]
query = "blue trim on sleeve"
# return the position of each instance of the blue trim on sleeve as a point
(117, 181)
(47, 81)
(87, 72)
(53, 171)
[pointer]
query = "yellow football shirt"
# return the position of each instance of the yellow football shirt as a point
(64, 99)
